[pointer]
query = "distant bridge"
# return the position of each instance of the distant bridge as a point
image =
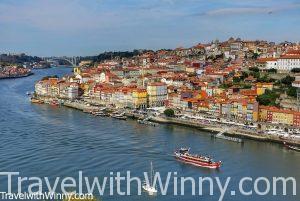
(73, 61)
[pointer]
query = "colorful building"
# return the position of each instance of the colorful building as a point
(139, 98)
(157, 94)
(279, 116)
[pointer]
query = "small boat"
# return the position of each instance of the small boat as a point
(28, 93)
(291, 147)
(184, 156)
(118, 116)
(33, 100)
(147, 122)
(149, 187)
(54, 103)
(100, 114)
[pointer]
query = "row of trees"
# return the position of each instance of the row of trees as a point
(111, 55)
(18, 59)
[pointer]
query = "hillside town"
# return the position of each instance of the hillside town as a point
(13, 72)
(250, 82)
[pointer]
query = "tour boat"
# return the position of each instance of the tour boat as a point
(184, 156)
(291, 147)
(149, 187)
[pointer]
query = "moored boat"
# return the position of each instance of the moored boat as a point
(147, 122)
(291, 147)
(120, 116)
(101, 114)
(33, 100)
(183, 155)
(54, 103)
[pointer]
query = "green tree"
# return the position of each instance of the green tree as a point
(255, 55)
(225, 86)
(295, 70)
(169, 113)
(272, 70)
(246, 86)
(287, 80)
(254, 69)
(236, 79)
(292, 91)
(244, 75)
(268, 98)
(263, 79)
(255, 74)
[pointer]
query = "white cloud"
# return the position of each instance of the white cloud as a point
(251, 10)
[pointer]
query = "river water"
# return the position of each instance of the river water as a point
(46, 141)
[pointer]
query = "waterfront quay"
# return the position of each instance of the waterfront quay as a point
(210, 124)
(234, 131)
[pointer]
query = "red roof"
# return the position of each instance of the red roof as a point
(290, 57)
(263, 60)
(157, 84)
(293, 52)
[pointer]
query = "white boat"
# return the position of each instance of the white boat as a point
(149, 187)
(119, 116)
(221, 135)
(147, 122)
(277, 132)
(102, 114)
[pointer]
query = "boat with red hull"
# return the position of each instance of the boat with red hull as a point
(184, 156)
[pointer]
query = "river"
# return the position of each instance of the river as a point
(46, 141)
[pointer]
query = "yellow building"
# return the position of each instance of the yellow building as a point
(255, 116)
(87, 87)
(139, 97)
(261, 87)
(276, 115)
(283, 118)
(77, 71)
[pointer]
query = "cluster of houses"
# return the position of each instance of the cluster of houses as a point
(13, 71)
(185, 79)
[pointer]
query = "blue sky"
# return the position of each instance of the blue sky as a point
(88, 27)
